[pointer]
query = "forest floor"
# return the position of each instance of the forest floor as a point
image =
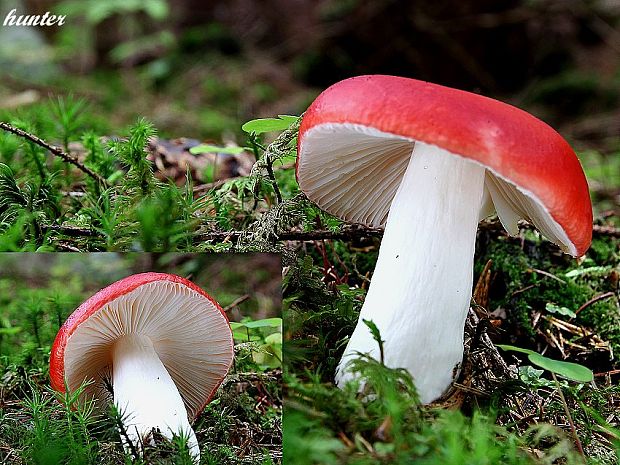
(69, 182)
(241, 425)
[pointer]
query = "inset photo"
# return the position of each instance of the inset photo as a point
(109, 358)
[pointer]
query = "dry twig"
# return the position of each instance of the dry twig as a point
(595, 299)
(55, 151)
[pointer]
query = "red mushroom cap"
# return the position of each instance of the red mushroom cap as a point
(514, 145)
(123, 288)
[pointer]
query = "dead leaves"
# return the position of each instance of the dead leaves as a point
(173, 160)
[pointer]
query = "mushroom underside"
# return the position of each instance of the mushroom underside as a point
(430, 201)
(190, 336)
(163, 347)
(353, 172)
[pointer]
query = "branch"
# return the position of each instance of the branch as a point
(597, 230)
(273, 375)
(345, 233)
(606, 231)
(70, 231)
(54, 150)
(358, 231)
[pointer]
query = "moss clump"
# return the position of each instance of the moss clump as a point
(605, 250)
(318, 319)
(526, 278)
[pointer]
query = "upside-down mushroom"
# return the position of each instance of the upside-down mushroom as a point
(162, 343)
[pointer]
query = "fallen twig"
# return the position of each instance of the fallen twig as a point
(54, 150)
(345, 233)
(606, 231)
(547, 274)
(273, 375)
(595, 299)
(608, 373)
(70, 231)
(236, 302)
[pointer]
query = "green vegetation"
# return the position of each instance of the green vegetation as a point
(522, 420)
(111, 199)
(242, 424)
(536, 299)
(142, 73)
(530, 296)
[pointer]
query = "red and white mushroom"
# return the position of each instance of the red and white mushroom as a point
(163, 343)
(429, 162)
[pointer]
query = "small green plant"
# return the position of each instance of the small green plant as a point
(68, 117)
(262, 125)
(41, 426)
(266, 336)
(139, 181)
(569, 370)
(64, 438)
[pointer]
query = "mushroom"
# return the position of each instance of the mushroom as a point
(428, 162)
(162, 343)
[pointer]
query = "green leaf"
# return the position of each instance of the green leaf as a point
(118, 174)
(205, 148)
(568, 370)
(10, 331)
(572, 371)
(243, 337)
(96, 12)
(261, 125)
(592, 269)
(529, 375)
(156, 9)
(553, 308)
(376, 335)
(266, 323)
(125, 50)
(274, 339)
(515, 349)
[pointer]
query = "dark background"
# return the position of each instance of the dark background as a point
(200, 69)
(559, 58)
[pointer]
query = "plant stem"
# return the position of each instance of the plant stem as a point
(570, 418)
(54, 150)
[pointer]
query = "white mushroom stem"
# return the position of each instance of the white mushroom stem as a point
(421, 287)
(146, 396)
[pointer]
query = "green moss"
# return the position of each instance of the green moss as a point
(604, 318)
(527, 278)
(39, 291)
(386, 425)
(605, 250)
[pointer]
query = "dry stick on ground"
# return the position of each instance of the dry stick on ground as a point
(608, 373)
(236, 302)
(606, 231)
(70, 231)
(357, 231)
(595, 299)
(346, 233)
(272, 375)
(54, 150)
